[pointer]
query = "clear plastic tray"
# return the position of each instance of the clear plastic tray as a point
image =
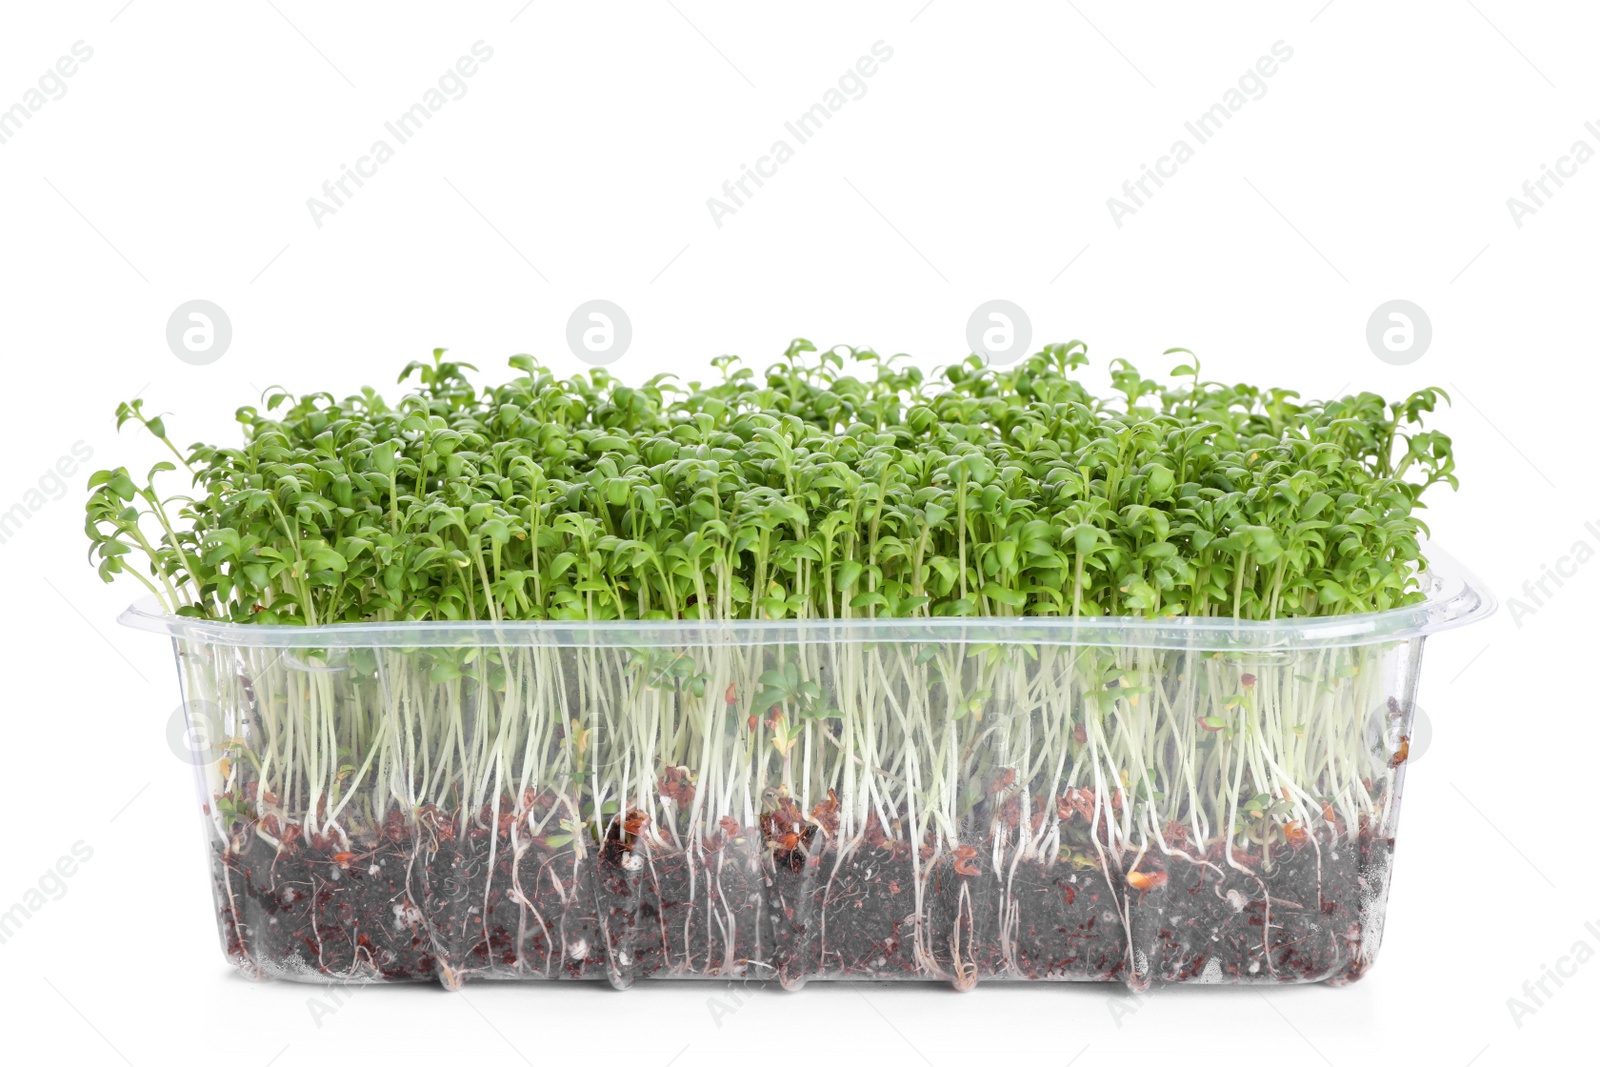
(1111, 799)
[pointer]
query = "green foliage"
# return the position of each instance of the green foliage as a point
(833, 485)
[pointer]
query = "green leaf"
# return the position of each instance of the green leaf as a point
(1008, 597)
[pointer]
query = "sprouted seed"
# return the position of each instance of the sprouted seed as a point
(710, 807)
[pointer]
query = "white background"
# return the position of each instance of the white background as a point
(977, 165)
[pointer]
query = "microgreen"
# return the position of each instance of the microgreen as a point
(834, 485)
(813, 492)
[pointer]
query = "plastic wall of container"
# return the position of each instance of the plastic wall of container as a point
(1112, 799)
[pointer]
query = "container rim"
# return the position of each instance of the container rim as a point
(1455, 597)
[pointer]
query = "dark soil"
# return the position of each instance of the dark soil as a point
(1066, 925)
(418, 901)
(422, 901)
(1309, 926)
(315, 910)
(666, 913)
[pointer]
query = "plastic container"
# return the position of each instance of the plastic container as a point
(1189, 800)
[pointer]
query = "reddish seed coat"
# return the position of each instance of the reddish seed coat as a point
(1145, 882)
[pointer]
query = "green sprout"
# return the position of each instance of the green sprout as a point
(833, 486)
